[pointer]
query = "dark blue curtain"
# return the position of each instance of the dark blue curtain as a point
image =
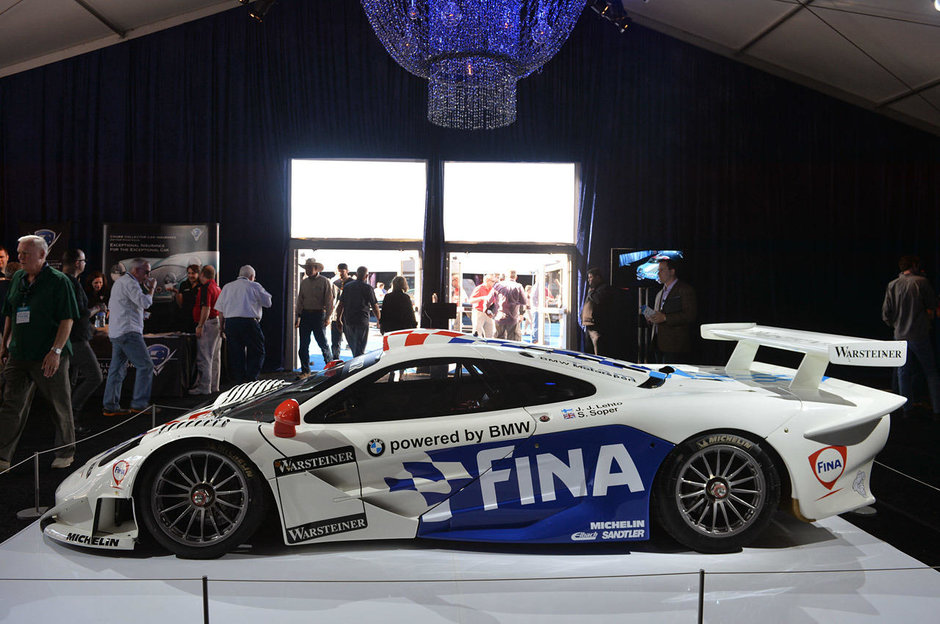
(792, 206)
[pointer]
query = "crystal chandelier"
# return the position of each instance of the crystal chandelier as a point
(472, 51)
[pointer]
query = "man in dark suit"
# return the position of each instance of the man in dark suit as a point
(674, 316)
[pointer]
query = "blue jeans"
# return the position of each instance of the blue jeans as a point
(336, 340)
(245, 348)
(311, 321)
(131, 348)
(357, 336)
(922, 351)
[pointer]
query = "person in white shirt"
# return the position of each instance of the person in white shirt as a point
(239, 306)
(131, 294)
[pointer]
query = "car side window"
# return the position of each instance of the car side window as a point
(525, 386)
(417, 389)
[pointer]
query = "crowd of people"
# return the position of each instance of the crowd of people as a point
(347, 305)
(50, 316)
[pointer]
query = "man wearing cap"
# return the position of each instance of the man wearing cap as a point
(314, 306)
(239, 306)
(336, 329)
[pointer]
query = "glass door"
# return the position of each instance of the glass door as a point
(545, 277)
(383, 266)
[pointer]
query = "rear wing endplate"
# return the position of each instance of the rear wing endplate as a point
(818, 349)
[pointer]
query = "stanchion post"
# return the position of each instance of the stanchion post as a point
(153, 416)
(701, 596)
(205, 600)
(32, 514)
(36, 481)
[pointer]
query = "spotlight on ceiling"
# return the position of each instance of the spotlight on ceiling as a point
(613, 12)
(261, 9)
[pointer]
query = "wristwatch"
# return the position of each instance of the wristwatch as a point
(56, 350)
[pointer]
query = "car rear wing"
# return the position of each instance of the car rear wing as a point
(818, 349)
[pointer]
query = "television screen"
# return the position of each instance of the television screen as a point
(645, 263)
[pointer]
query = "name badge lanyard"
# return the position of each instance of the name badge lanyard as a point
(22, 309)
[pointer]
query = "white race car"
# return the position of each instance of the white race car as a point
(447, 436)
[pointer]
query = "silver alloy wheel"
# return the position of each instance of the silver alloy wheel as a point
(720, 490)
(198, 497)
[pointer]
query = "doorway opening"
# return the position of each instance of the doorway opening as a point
(383, 266)
(546, 278)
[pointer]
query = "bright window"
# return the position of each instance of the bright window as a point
(358, 199)
(510, 202)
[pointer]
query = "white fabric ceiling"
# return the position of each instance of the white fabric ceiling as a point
(883, 55)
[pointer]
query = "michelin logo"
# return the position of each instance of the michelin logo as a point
(626, 529)
(88, 540)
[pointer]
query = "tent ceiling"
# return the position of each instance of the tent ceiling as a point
(883, 55)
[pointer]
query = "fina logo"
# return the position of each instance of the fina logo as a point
(161, 356)
(376, 447)
(119, 471)
(828, 464)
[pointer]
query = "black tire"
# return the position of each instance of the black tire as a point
(716, 492)
(184, 509)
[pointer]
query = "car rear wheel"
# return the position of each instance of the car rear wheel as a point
(716, 493)
(200, 503)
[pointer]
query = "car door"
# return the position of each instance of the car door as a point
(421, 431)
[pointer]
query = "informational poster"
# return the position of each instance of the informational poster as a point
(56, 236)
(169, 248)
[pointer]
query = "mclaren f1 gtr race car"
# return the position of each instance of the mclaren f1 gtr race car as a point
(443, 435)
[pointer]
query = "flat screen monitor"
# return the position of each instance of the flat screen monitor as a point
(634, 267)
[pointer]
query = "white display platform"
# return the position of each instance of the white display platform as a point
(827, 572)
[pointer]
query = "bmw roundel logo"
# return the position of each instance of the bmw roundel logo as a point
(376, 447)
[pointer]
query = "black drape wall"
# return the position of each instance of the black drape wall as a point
(792, 206)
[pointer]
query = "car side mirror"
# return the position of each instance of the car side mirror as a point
(287, 419)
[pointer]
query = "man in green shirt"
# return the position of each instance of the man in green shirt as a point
(37, 318)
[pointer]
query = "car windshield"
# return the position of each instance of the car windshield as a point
(261, 409)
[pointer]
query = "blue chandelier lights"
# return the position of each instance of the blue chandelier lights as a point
(472, 52)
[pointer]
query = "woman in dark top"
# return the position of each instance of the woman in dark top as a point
(186, 294)
(96, 288)
(397, 309)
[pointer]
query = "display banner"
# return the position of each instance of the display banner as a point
(56, 236)
(169, 248)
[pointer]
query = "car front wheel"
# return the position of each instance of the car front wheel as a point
(200, 503)
(716, 492)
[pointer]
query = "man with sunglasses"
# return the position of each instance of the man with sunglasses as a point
(131, 294)
(35, 349)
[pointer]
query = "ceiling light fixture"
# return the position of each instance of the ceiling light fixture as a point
(261, 9)
(472, 52)
(613, 12)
